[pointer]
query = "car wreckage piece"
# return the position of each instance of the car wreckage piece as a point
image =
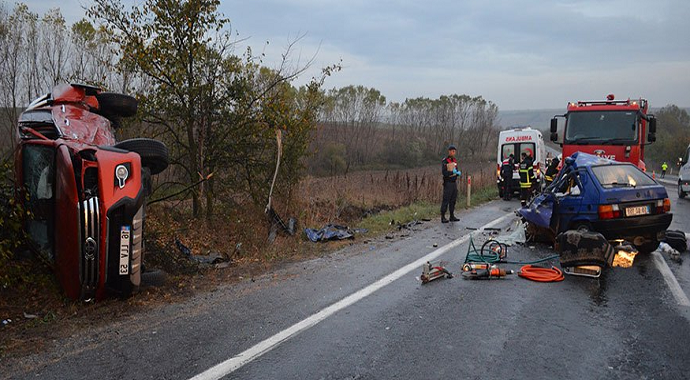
(85, 191)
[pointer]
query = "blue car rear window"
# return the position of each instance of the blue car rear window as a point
(610, 176)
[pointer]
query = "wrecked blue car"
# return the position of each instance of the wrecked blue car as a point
(613, 198)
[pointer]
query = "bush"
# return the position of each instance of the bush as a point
(12, 235)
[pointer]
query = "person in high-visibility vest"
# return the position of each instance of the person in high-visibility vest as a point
(664, 167)
(526, 178)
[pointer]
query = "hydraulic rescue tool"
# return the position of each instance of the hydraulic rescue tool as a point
(433, 272)
(486, 274)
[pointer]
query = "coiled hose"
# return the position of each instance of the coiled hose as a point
(495, 252)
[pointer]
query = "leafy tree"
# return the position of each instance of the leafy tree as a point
(673, 135)
(218, 111)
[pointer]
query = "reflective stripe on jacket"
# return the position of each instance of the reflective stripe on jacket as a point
(526, 174)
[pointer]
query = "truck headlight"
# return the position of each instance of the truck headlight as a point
(121, 174)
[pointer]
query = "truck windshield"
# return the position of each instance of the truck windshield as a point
(601, 127)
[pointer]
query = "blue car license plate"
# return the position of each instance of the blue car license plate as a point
(637, 211)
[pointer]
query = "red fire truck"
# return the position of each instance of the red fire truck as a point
(614, 129)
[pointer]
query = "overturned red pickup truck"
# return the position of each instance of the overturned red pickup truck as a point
(85, 191)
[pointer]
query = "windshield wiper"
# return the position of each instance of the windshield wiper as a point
(616, 140)
(583, 139)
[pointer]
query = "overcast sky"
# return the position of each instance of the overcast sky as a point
(518, 54)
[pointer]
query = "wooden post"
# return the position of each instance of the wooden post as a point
(469, 189)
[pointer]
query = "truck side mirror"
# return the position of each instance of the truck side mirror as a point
(554, 126)
(651, 137)
(652, 125)
(554, 136)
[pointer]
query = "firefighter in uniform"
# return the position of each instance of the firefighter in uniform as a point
(551, 171)
(526, 178)
(449, 169)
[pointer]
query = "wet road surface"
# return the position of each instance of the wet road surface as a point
(625, 325)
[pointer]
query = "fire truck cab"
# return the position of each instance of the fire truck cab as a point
(613, 129)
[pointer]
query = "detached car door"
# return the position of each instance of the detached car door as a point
(570, 208)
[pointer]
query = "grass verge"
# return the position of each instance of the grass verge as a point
(380, 223)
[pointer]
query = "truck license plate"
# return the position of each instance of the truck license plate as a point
(636, 211)
(124, 249)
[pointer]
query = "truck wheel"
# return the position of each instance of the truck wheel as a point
(677, 240)
(153, 153)
(112, 104)
(155, 278)
(681, 193)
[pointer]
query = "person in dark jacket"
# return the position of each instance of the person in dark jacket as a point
(506, 172)
(551, 171)
(449, 169)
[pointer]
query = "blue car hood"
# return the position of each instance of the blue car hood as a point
(539, 211)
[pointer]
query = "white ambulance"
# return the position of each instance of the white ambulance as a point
(517, 141)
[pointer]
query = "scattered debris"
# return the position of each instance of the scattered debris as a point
(332, 232)
(677, 240)
(210, 259)
(6, 322)
(516, 237)
(289, 227)
(666, 248)
(408, 225)
(30, 316)
(183, 248)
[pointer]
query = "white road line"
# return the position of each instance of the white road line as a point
(671, 280)
(666, 181)
(263, 347)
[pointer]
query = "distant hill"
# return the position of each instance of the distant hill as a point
(538, 119)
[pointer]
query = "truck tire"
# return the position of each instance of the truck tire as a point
(681, 193)
(153, 153)
(116, 105)
(155, 278)
(677, 240)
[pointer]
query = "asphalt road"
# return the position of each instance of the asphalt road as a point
(625, 325)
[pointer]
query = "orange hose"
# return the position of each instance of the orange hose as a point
(540, 274)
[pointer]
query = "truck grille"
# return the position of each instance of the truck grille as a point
(137, 247)
(90, 237)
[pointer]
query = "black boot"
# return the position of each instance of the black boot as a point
(443, 218)
(453, 218)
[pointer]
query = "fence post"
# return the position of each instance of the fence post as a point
(469, 189)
